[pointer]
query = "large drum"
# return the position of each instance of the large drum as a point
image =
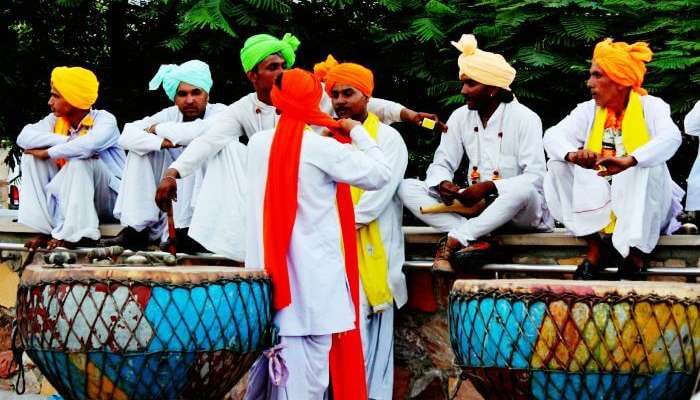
(135, 332)
(550, 339)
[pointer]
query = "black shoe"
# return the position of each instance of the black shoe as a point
(586, 271)
(184, 243)
(475, 255)
(629, 271)
(128, 238)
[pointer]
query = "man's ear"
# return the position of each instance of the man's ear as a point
(252, 75)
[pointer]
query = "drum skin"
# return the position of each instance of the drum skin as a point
(132, 332)
(550, 339)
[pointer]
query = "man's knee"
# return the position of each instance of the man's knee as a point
(410, 187)
(521, 196)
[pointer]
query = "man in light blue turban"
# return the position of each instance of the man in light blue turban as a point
(153, 143)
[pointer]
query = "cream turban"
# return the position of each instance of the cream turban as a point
(484, 67)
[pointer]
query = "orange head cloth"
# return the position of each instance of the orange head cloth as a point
(623, 63)
(322, 68)
(351, 74)
(297, 100)
(77, 85)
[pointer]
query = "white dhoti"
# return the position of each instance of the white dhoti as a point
(645, 202)
(519, 207)
(136, 206)
(377, 331)
(307, 360)
(218, 222)
(68, 203)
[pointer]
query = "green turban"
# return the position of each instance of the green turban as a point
(258, 47)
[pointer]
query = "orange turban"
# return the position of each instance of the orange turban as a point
(351, 74)
(322, 68)
(77, 85)
(623, 63)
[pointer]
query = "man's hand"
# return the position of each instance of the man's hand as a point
(475, 193)
(152, 129)
(408, 115)
(167, 189)
(615, 165)
(42, 154)
(167, 144)
(347, 124)
(448, 191)
(583, 158)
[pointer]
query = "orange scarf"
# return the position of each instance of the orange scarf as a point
(298, 101)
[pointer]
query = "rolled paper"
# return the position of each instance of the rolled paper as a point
(456, 207)
(428, 123)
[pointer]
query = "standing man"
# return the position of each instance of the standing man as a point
(607, 169)
(502, 140)
(300, 217)
(71, 165)
(153, 144)
(378, 216)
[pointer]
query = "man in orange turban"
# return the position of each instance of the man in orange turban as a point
(378, 215)
(71, 165)
(607, 178)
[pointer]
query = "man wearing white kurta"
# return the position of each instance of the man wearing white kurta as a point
(318, 302)
(692, 127)
(607, 168)
(502, 140)
(381, 256)
(72, 163)
(153, 144)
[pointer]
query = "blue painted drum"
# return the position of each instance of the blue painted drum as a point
(551, 339)
(132, 332)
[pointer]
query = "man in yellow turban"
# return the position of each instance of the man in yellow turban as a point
(71, 165)
(502, 140)
(607, 178)
(378, 215)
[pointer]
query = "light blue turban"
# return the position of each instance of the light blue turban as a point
(193, 72)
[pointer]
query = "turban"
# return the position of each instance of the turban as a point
(193, 72)
(351, 74)
(623, 63)
(258, 47)
(482, 66)
(322, 68)
(77, 85)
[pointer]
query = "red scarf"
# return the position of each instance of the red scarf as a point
(297, 101)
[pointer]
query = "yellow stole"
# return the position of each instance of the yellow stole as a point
(62, 127)
(372, 260)
(634, 134)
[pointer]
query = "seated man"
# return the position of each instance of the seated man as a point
(607, 168)
(71, 165)
(220, 226)
(378, 215)
(153, 144)
(502, 140)
(692, 127)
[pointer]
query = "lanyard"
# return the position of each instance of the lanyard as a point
(475, 175)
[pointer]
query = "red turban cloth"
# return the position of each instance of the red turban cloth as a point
(623, 63)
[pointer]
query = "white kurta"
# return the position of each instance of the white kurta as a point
(69, 203)
(220, 225)
(519, 158)
(692, 127)
(145, 165)
(644, 198)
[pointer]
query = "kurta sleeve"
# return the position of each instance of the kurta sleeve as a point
(373, 203)
(183, 133)
(103, 135)
(666, 138)
(135, 138)
(363, 166)
(570, 133)
(221, 130)
(387, 110)
(449, 153)
(530, 157)
(692, 121)
(40, 135)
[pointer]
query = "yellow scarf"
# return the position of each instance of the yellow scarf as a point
(62, 127)
(371, 256)
(634, 134)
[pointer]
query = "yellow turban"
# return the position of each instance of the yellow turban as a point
(77, 85)
(623, 63)
(484, 67)
(351, 74)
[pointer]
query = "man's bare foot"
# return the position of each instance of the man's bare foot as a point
(54, 243)
(595, 243)
(38, 242)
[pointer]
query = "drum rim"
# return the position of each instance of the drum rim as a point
(180, 275)
(580, 288)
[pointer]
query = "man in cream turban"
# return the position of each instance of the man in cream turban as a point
(502, 140)
(154, 143)
(607, 174)
(71, 165)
